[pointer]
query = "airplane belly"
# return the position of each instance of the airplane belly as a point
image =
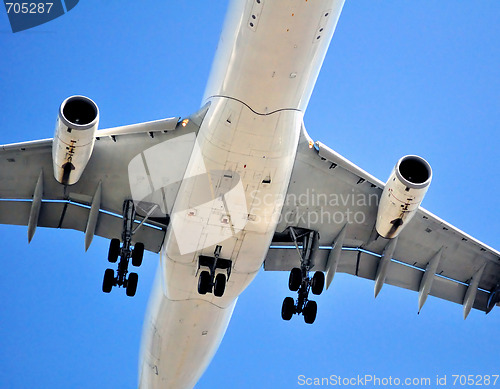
(231, 197)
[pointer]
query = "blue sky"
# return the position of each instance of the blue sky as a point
(400, 78)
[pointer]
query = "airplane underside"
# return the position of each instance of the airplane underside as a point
(210, 194)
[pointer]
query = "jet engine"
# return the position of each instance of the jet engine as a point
(74, 138)
(402, 195)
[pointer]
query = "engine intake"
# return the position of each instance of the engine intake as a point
(415, 172)
(74, 138)
(404, 191)
(79, 111)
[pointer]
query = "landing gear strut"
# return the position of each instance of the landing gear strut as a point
(125, 253)
(211, 281)
(299, 280)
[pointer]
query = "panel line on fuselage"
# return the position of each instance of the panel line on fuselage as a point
(254, 111)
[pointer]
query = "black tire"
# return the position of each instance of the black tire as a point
(295, 279)
(318, 283)
(310, 311)
(219, 285)
(114, 250)
(109, 280)
(204, 282)
(132, 282)
(137, 254)
(288, 308)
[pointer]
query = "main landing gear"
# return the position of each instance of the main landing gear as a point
(299, 280)
(212, 280)
(125, 253)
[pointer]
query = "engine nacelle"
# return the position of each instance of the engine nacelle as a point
(404, 191)
(74, 138)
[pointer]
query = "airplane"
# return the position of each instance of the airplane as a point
(320, 306)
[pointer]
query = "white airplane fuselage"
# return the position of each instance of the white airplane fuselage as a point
(267, 62)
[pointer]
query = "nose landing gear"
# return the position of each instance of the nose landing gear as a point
(299, 280)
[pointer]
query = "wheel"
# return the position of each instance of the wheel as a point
(310, 312)
(295, 279)
(114, 250)
(220, 285)
(137, 254)
(204, 282)
(288, 308)
(109, 280)
(318, 282)
(133, 279)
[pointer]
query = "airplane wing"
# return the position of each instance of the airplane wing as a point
(327, 193)
(121, 157)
